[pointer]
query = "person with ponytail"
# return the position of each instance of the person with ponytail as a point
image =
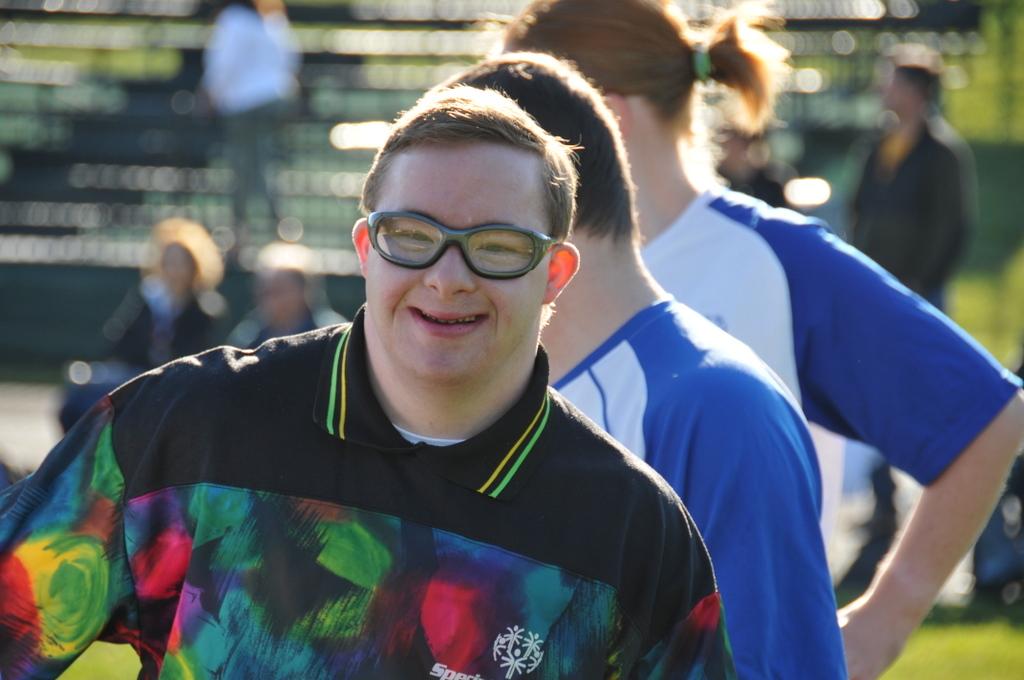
(867, 359)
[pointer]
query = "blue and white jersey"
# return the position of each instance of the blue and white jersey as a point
(868, 359)
(708, 415)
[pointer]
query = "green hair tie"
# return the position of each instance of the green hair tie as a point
(701, 63)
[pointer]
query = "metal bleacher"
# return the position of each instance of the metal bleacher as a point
(101, 136)
(93, 158)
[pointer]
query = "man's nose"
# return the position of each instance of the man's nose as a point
(451, 274)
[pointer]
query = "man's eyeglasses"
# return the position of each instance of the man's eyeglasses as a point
(494, 251)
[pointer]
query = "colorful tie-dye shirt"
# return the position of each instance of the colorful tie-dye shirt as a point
(202, 516)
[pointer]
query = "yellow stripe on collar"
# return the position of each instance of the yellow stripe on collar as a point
(340, 353)
(508, 456)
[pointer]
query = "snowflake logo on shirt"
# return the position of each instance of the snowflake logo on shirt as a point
(518, 650)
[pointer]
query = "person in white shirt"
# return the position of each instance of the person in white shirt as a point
(249, 78)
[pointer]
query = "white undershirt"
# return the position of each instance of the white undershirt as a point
(414, 438)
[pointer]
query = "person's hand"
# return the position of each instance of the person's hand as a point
(946, 521)
(873, 635)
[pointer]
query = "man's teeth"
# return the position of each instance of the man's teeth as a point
(464, 319)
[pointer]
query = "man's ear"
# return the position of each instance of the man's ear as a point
(620, 109)
(563, 263)
(361, 240)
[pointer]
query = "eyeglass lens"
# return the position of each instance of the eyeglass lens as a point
(415, 242)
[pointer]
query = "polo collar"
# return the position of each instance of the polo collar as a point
(495, 462)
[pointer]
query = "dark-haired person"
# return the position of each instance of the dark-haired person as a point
(912, 214)
(868, 360)
(746, 164)
(693, 402)
(399, 497)
(915, 203)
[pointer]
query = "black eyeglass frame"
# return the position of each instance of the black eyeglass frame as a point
(542, 243)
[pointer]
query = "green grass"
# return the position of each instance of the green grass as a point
(982, 640)
(994, 651)
(990, 306)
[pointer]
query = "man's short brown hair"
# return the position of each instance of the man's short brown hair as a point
(466, 115)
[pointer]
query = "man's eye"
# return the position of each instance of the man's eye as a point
(409, 235)
(499, 248)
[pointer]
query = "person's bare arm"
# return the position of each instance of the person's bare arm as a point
(945, 523)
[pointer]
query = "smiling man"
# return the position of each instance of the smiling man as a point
(400, 497)
(451, 332)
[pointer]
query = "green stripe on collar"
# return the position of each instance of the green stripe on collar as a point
(496, 491)
(342, 342)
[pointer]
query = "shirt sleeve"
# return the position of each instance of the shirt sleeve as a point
(754, 493)
(688, 636)
(879, 364)
(697, 647)
(224, 54)
(63, 569)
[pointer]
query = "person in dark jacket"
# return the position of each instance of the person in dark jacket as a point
(171, 314)
(915, 203)
(747, 166)
(912, 214)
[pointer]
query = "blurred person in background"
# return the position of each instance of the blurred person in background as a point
(915, 204)
(747, 166)
(170, 314)
(867, 358)
(912, 213)
(289, 297)
(693, 402)
(250, 67)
